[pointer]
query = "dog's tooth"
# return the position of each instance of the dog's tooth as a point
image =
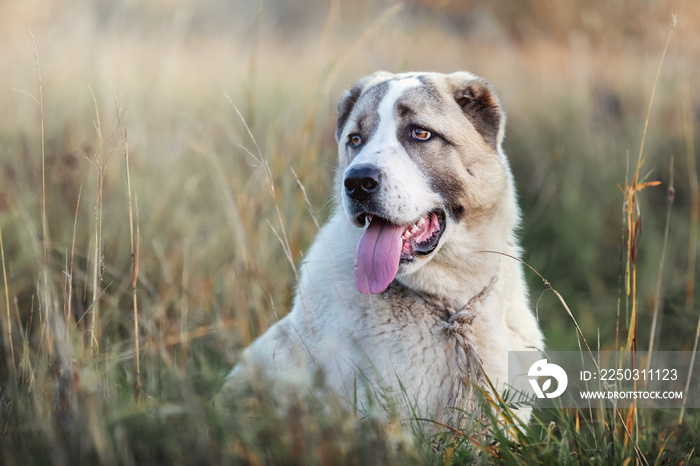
(420, 222)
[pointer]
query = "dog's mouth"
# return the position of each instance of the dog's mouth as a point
(384, 246)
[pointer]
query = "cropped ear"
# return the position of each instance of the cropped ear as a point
(480, 104)
(345, 106)
(351, 96)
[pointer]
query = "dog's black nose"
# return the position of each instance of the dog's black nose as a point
(362, 181)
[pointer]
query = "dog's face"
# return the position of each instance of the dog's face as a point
(420, 161)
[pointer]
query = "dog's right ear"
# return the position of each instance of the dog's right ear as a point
(352, 95)
(345, 106)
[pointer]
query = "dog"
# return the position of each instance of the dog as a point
(413, 288)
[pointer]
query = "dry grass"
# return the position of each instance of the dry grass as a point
(164, 166)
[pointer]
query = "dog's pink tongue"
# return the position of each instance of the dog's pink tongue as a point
(377, 257)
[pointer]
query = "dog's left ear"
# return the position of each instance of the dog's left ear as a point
(480, 104)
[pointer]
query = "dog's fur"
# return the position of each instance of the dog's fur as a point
(449, 312)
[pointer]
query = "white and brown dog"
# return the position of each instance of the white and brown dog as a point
(404, 290)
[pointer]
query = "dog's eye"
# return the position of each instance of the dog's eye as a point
(355, 140)
(420, 134)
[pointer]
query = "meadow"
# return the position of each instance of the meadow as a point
(165, 164)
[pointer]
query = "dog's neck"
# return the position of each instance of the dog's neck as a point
(455, 276)
(457, 312)
(458, 288)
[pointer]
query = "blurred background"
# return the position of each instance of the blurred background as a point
(227, 109)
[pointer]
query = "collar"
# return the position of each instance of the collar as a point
(464, 314)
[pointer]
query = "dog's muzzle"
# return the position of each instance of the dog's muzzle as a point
(385, 242)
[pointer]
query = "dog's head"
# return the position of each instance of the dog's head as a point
(420, 161)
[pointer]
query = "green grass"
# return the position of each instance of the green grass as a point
(223, 224)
